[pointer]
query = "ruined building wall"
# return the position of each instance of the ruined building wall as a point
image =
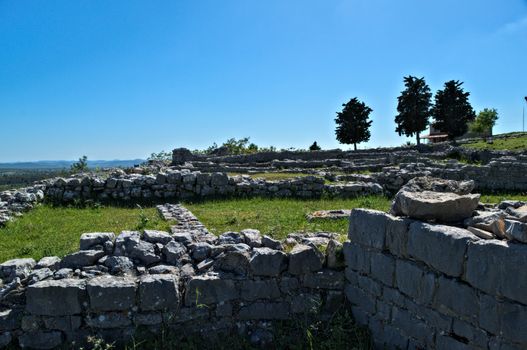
(420, 285)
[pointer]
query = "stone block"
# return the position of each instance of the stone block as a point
(81, 259)
(358, 297)
(489, 267)
(413, 281)
(90, 240)
(10, 319)
(264, 289)
(210, 289)
(369, 285)
(265, 311)
(154, 236)
(513, 318)
(11, 269)
(307, 303)
(413, 327)
(357, 257)
(325, 279)
(267, 262)
(368, 227)
(109, 293)
(148, 319)
(63, 323)
(40, 340)
(56, 297)
(474, 335)
(305, 259)
(383, 268)
(441, 247)
(158, 292)
(456, 299)
(109, 320)
(397, 236)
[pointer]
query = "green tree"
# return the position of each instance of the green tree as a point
(353, 124)
(452, 111)
(314, 147)
(485, 121)
(413, 108)
(81, 165)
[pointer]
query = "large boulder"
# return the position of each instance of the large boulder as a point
(436, 206)
(428, 183)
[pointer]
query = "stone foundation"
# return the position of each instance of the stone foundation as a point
(419, 285)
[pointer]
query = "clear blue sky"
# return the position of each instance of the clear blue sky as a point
(122, 79)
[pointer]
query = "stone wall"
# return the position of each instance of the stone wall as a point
(184, 184)
(186, 281)
(420, 285)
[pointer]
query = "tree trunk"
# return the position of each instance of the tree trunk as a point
(418, 139)
(355, 146)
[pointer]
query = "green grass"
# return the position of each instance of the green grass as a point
(518, 143)
(496, 198)
(48, 230)
(278, 217)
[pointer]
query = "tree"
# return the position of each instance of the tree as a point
(353, 123)
(413, 107)
(485, 121)
(314, 147)
(452, 111)
(81, 165)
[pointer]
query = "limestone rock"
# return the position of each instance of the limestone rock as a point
(91, 240)
(108, 293)
(154, 236)
(158, 292)
(304, 259)
(268, 262)
(81, 258)
(56, 297)
(442, 207)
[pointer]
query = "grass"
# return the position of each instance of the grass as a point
(496, 198)
(278, 217)
(47, 230)
(518, 143)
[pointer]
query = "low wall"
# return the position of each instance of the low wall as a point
(418, 285)
(185, 282)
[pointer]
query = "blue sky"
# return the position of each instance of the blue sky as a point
(122, 79)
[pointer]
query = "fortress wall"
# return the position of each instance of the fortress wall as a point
(419, 285)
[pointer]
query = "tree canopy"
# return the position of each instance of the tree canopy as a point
(485, 121)
(452, 111)
(413, 107)
(314, 147)
(353, 124)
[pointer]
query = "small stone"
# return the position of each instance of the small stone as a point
(480, 233)
(51, 262)
(271, 243)
(154, 236)
(81, 258)
(96, 239)
(174, 252)
(117, 264)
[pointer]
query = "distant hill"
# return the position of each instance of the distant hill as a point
(65, 164)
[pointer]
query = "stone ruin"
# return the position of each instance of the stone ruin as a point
(441, 271)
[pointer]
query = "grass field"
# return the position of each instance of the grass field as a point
(48, 230)
(278, 217)
(518, 143)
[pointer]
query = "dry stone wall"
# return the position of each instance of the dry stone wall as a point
(421, 285)
(186, 281)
